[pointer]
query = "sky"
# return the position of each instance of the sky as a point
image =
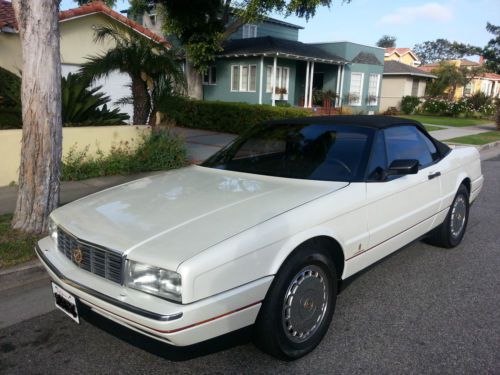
(411, 21)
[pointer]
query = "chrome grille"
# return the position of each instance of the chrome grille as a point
(99, 261)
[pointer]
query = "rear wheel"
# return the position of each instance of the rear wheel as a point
(299, 306)
(450, 233)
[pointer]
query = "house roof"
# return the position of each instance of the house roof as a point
(400, 69)
(7, 18)
(491, 76)
(282, 23)
(463, 62)
(400, 51)
(275, 46)
(366, 58)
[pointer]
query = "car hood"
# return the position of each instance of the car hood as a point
(168, 218)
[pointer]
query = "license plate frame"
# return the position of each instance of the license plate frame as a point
(66, 302)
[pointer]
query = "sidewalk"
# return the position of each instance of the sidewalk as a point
(450, 132)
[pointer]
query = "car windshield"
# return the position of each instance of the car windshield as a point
(302, 151)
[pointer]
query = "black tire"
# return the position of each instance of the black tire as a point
(447, 234)
(310, 304)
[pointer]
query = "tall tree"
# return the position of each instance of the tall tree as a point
(41, 148)
(442, 49)
(146, 62)
(387, 41)
(203, 25)
(449, 78)
(491, 51)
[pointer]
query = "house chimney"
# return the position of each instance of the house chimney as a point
(481, 60)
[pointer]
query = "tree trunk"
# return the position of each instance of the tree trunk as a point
(141, 101)
(41, 147)
(193, 78)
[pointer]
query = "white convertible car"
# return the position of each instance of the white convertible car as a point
(262, 233)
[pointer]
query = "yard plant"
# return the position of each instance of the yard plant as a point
(223, 116)
(156, 151)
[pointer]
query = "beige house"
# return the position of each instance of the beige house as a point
(401, 80)
(77, 28)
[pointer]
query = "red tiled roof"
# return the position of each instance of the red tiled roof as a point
(400, 51)
(492, 76)
(7, 17)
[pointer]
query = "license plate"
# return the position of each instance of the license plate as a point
(65, 302)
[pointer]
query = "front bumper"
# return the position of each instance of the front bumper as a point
(170, 322)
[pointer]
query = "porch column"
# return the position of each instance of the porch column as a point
(260, 78)
(341, 85)
(273, 80)
(338, 87)
(311, 85)
(307, 86)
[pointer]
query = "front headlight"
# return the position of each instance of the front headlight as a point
(52, 230)
(153, 280)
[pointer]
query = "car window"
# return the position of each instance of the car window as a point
(378, 159)
(407, 142)
(304, 151)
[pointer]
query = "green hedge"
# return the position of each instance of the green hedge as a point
(223, 116)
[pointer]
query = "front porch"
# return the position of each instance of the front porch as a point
(275, 71)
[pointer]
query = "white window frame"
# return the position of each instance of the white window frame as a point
(249, 30)
(279, 79)
(240, 78)
(360, 94)
(211, 81)
(377, 87)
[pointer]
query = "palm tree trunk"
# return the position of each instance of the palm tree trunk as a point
(41, 147)
(141, 101)
(193, 78)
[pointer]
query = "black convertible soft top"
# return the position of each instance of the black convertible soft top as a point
(372, 121)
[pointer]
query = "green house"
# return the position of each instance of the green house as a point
(266, 64)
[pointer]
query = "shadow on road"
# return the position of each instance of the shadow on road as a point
(170, 352)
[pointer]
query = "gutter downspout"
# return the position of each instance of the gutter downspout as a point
(338, 86)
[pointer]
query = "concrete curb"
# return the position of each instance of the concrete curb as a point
(22, 274)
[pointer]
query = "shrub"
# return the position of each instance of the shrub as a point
(81, 105)
(409, 104)
(497, 114)
(223, 116)
(156, 151)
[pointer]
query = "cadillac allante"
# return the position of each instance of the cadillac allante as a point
(262, 232)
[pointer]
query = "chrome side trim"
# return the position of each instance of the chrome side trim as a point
(94, 293)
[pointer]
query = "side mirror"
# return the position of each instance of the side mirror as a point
(402, 167)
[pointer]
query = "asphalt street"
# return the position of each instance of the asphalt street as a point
(423, 310)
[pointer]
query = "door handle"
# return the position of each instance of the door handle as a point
(434, 175)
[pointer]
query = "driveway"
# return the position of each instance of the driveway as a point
(421, 310)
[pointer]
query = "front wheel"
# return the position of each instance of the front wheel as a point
(299, 306)
(450, 233)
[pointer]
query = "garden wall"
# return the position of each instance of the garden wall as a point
(96, 137)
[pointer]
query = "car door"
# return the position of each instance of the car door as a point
(402, 207)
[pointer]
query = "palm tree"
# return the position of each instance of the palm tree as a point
(145, 61)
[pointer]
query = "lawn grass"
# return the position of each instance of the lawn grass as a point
(431, 128)
(15, 247)
(477, 139)
(447, 121)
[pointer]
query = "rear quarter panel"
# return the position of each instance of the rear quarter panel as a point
(459, 164)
